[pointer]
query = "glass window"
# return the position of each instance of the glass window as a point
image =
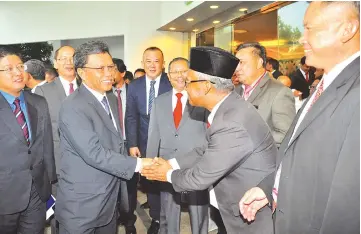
(205, 38)
(223, 37)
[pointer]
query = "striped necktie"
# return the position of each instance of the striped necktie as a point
(151, 96)
(20, 118)
(106, 106)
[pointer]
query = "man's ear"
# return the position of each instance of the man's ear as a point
(349, 29)
(260, 63)
(81, 73)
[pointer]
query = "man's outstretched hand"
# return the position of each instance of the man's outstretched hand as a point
(252, 201)
(157, 170)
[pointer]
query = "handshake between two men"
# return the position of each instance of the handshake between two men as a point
(155, 168)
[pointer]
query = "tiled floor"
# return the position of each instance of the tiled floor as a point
(143, 220)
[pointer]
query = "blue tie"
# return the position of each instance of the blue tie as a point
(151, 96)
(106, 106)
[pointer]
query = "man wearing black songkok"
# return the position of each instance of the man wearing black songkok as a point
(240, 150)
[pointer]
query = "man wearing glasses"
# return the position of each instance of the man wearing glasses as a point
(55, 93)
(91, 143)
(27, 165)
(175, 128)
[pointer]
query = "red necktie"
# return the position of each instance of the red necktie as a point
(71, 88)
(208, 125)
(307, 77)
(20, 118)
(317, 95)
(120, 109)
(177, 113)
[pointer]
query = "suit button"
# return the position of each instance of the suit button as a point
(31, 168)
(175, 150)
(176, 135)
(29, 151)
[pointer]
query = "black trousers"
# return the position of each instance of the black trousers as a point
(31, 220)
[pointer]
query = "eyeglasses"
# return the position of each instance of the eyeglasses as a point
(102, 69)
(182, 73)
(195, 81)
(65, 59)
(8, 70)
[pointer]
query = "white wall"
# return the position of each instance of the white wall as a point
(53, 21)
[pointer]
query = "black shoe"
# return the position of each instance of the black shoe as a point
(130, 230)
(154, 227)
(145, 205)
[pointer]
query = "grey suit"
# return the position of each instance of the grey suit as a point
(91, 163)
(25, 171)
(239, 155)
(276, 104)
(319, 189)
(166, 141)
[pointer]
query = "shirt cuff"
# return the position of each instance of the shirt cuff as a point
(138, 167)
(169, 176)
(173, 162)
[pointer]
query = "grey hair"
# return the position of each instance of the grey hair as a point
(219, 83)
(36, 68)
(176, 60)
(84, 50)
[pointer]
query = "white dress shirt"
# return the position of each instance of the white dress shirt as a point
(184, 99)
(40, 84)
(156, 87)
(66, 85)
(173, 162)
(100, 97)
(123, 95)
(327, 80)
(303, 73)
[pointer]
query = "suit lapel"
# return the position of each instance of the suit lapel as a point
(113, 104)
(60, 88)
(186, 113)
(32, 115)
(143, 96)
(329, 95)
(258, 89)
(163, 87)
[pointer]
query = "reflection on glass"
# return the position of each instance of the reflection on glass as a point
(223, 37)
(205, 38)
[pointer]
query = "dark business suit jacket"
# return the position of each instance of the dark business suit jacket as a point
(277, 74)
(137, 119)
(21, 165)
(299, 82)
(240, 153)
(319, 190)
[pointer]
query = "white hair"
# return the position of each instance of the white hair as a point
(219, 83)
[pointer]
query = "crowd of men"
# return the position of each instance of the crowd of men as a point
(217, 130)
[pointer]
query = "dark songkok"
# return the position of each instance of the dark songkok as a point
(213, 61)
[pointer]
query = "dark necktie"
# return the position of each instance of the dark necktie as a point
(177, 113)
(120, 109)
(151, 96)
(71, 88)
(106, 106)
(307, 77)
(20, 118)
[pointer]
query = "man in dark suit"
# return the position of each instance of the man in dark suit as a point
(172, 121)
(240, 150)
(317, 184)
(273, 67)
(128, 194)
(26, 151)
(302, 79)
(140, 97)
(92, 148)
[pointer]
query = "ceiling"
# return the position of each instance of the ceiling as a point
(204, 16)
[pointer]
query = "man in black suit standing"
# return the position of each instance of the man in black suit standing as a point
(302, 79)
(273, 67)
(26, 151)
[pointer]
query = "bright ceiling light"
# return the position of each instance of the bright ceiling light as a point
(172, 29)
(190, 19)
(195, 30)
(214, 7)
(243, 9)
(216, 21)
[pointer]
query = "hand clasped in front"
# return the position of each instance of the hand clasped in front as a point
(157, 170)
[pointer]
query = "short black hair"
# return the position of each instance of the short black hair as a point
(51, 70)
(84, 50)
(35, 68)
(177, 59)
(128, 76)
(57, 51)
(154, 48)
(259, 50)
(120, 65)
(139, 70)
(274, 63)
(303, 60)
(6, 50)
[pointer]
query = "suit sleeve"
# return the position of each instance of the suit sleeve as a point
(227, 147)
(77, 129)
(153, 133)
(39, 91)
(49, 159)
(283, 113)
(132, 118)
(342, 214)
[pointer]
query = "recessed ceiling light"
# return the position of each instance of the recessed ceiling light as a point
(214, 7)
(190, 19)
(172, 28)
(243, 9)
(216, 21)
(195, 30)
